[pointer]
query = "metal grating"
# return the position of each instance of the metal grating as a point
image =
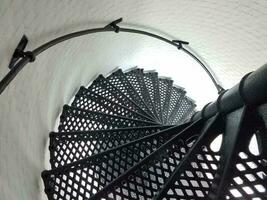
(74, 119)
(102, 87)
(165, 90)
(136, 78)
(152, 84)
(111, 147)
(193, 176)
(68, 147)
(145, 179)
(185, 110)
(242, 174)
(94, 102)
(175, 100)
(119, 80)
(84, 178)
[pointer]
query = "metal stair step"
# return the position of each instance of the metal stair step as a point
(102, 87)
(68, 147)
(165, 89)
(88, 176)
(175, 100)
(192, 178)
(136, 78)
(132, 136)
(75, 119)
(152, 85)
(183, 111)
(94, 102)
(120, 81)
(144, 179)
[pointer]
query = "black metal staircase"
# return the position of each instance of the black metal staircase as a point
(110, 127)
(134, 135)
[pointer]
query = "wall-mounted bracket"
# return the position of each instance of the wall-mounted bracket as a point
(180, 43)
(19, 52)
(114, 25)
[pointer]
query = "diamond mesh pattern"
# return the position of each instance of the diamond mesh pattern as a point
(152, 85)
(119, 80)
(102, 87)
(165, 89)
(249, 177)
(111, 127)
(175, 99)
(110, 145)
(145, 179)
(195, 181)
(94, 102)
(74, 119)
(72, 146)
(83, 178)
(185, 110)
(248, 172)
(136, 78)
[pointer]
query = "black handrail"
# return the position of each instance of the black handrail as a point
(251, 90)
(26, 57)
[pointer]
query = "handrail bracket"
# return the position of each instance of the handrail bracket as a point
(19, 53)
(114, 25)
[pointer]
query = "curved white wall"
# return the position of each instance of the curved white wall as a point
(230, 35)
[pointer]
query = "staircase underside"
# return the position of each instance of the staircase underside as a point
(129, 136)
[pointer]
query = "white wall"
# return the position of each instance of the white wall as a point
(230, 35)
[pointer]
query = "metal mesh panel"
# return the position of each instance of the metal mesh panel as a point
(94, 102)
(152, 85)
(136, 78)
(145, 179)
(119, 80)
(175, 100)
(111, 147)
(196, 180)
(74, 119)
(102, 87)
(192, 177)
(68, 147)
(185, 110)
(165, 89)
(98, 156)
(249, 177)
(242, 174)
(84, 178)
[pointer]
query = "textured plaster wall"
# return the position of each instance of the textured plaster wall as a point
(229, 35)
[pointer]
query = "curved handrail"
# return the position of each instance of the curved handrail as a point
(30, 55)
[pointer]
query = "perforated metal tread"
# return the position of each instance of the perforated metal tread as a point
(93, 173)
(136, 78)
(120, 81)
(184, 110)
(152, 85)
(144, 179)
(94, 102)
(230, 172)
(177, 95)
(126, 154)
(165, 90)
(67, 147)
(192, 177)
(102, 87)
(75, 119)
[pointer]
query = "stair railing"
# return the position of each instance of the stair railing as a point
(21, 58)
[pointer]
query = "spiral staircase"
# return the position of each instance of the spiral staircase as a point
(136, 135)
